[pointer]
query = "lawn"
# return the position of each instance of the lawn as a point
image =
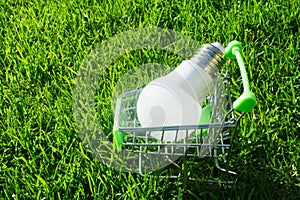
(43, 45)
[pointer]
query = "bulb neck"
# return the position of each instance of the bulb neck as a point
(210, 58)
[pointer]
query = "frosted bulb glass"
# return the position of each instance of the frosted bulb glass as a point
(176, 99)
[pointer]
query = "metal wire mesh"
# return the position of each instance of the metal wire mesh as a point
(205, 140)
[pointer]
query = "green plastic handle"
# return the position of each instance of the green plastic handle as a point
(118, 139)
(205, 119)
(247, 100)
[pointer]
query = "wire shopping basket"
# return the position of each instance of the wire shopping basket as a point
(209, 138)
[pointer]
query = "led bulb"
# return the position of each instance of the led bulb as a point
(176, 99)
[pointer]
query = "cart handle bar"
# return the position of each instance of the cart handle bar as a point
(247, 100)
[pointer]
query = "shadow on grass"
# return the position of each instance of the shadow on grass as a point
(250, 184)
(253, 181)
(254, 184)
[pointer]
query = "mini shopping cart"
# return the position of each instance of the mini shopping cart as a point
(210, 138)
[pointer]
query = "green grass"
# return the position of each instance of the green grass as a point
(43, 44)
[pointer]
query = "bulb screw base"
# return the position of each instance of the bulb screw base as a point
(210, 58)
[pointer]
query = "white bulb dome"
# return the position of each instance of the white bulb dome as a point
(176, 99)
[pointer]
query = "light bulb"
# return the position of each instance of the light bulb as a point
(176, 99)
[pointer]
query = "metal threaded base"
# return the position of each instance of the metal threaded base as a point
(210, 58)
